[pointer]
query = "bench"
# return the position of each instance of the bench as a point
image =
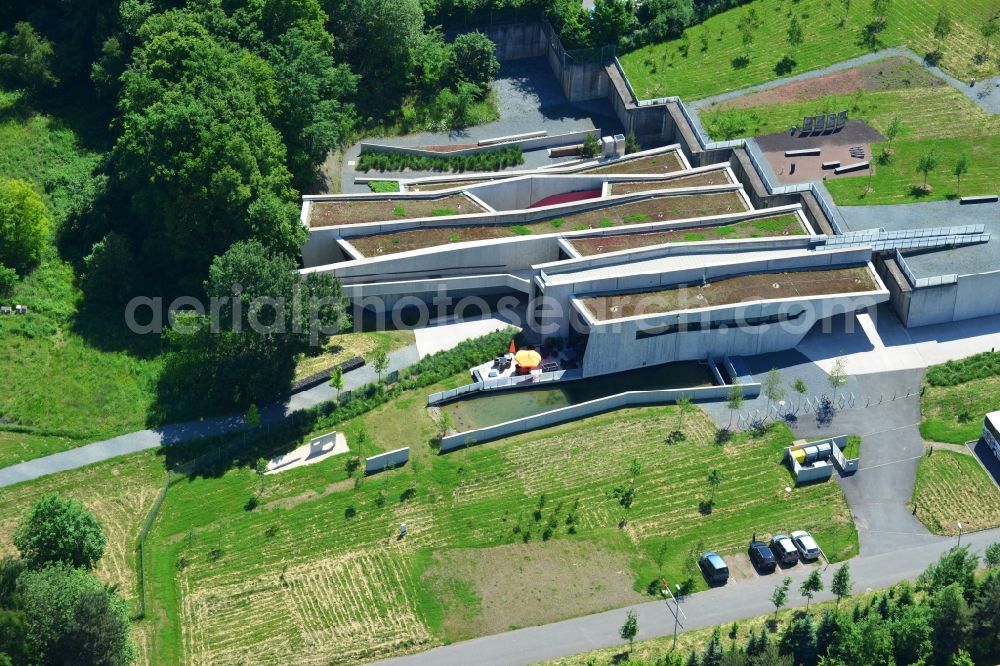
(857, 166)
(802, 153)
(21, 309)
(986, 198)
(6, 309)
(831, 165)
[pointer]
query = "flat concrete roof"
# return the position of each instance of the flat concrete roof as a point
(762, 227)
(727, 291)
(981, 258)
(671, 263)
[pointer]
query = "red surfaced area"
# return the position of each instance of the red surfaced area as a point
(566, 198)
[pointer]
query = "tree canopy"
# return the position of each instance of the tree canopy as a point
(24, 225)
(60, 530)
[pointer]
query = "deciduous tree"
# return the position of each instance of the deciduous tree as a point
(24, 225)
(62, 530)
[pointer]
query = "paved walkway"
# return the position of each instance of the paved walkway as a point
(185, 432)
(985, 93)
(705, 609)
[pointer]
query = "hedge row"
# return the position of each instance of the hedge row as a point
(487, 160)
(953, 373)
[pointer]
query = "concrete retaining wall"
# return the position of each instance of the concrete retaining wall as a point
(387, 460)
(538, 143)
(976, 295)
(517, 40)
(584, 409)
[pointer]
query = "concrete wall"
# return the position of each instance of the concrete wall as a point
(517, 40)
(573, 412)
(502, 255)
(615, 346)
(387, 460)
(976, 295)
(537, 143)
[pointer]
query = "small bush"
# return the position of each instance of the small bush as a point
(251, 503)
(383, 186)
(785, 65)
(350, 511)
(591, 146)
(521, 230)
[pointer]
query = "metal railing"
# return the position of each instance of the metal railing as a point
(502, 383)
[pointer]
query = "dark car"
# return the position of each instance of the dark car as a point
(762, 557)
(806, 545)
(714, 567)
(784, 549)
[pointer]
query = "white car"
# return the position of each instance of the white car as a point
(805, 544)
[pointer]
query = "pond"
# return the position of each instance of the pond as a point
(490, 408)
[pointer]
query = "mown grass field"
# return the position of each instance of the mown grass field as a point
(316, 572)
(954, 414)
(829, 35)
(951, 488)
(937, 118)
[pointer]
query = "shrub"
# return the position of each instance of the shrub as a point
(953, 373)
(591, 146)
(383, 185)
(24, 225)
(487, 160)
(8, 279)
(475, 59)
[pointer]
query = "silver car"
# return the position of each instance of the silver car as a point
(805, 544)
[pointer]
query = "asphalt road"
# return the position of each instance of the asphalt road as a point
(704, 609)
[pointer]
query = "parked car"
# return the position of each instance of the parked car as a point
(784, 549)
(762, 557)
(714, 567)
(806, 545)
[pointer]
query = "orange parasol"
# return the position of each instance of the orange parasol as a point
(527, 358)
(513, 348)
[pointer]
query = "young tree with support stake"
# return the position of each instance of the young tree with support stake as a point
(734, 400)
(927, 163)
(810, 586)
(841, 584)
(337, 380)
(772, 388)
(629, 629)
(961, 168)
(380, 362)
(838, 376)
(780, 595)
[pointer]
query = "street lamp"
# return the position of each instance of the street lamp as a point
(959, 532)
(676, 610)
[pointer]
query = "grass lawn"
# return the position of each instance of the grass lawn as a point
(316, 573)
(343, 347)
(935, 118)
(955, 413)
(663, 69)
(953, 487)
(853, 448)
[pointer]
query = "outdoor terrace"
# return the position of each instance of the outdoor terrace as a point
(655, 209)
(727, 291)
(360, 211)
(780, 225)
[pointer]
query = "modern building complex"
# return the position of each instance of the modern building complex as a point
(681, 252)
